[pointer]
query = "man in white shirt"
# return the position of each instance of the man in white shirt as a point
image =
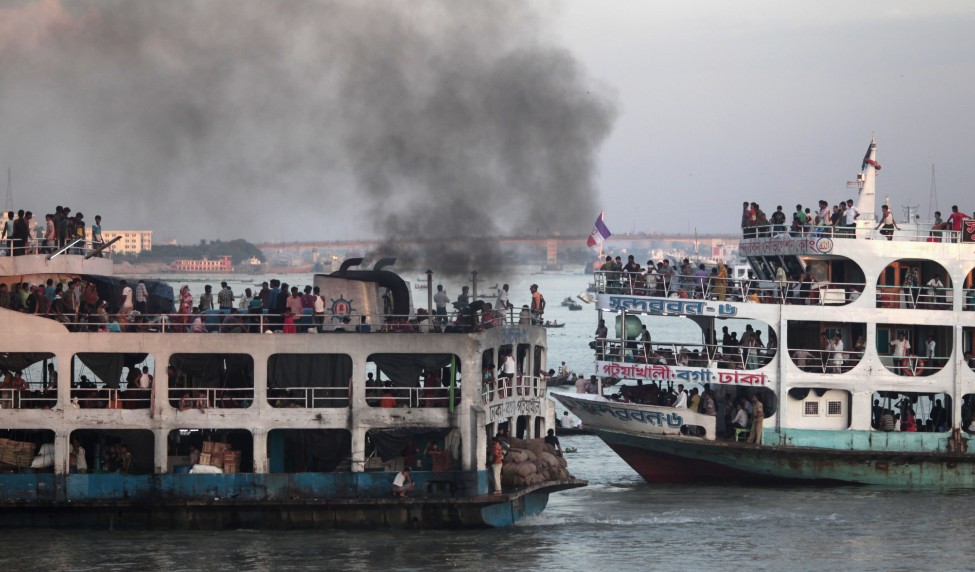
(852, 214)
(838, 358)
(567, 421)
(507, 375)
(681, 402)
(900, 349)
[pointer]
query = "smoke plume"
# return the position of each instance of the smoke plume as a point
(291, 120)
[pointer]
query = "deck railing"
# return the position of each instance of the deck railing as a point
(715, 288)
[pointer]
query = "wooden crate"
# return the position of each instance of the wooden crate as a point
(205, 458)
(230, 467)
(208, 447)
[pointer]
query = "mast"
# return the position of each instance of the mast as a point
(9, 203)
(866, 181)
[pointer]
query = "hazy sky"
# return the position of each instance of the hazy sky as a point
(336, 119)
(776, 102)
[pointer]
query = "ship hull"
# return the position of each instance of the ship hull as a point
(261, 502)
(675, 460)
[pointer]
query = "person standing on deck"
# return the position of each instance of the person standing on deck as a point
(758, 416)
(538, 304)
(497, 458)
(440, 300)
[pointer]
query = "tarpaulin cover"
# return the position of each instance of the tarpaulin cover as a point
(404, 370)
(110, 289)
(316, 450)
(216, 370)
(21, 361)
(108, 367)
(309, 370)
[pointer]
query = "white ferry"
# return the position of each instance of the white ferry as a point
(237, 423)
(858, 350)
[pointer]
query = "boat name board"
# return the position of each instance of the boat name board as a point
(649, 417)
(663, 306)
(786, 245)
(513, 408)
(679, 373)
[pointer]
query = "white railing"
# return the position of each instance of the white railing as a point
(112, 398)
(203, 398)
(915, 297)
(905, 232)
(308, 397)
(711, 287)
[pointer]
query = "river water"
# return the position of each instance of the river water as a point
(618, 522)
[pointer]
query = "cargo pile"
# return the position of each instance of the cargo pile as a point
(532, 461)
(220, 455)
(16, 453)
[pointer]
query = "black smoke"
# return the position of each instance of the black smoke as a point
(286, 120)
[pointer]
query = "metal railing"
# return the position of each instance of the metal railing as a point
(28, 399)
(308, 397)
(106, 398)
(521, 386)
(225, 321)
(905, 232)
(915, 297)
(78, 246)
(673, 353)
(423, 397)
(203, 398)
(711, 287)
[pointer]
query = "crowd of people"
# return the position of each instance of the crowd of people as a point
(749, 351)
(276, 306)
(688, 281)
(838, 221)
(22, 234)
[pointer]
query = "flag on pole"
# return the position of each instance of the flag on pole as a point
(599, 232)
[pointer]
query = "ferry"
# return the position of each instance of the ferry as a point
(164, 420)
(857, 367)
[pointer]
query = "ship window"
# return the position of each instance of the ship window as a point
(811, 408)
(834, 408)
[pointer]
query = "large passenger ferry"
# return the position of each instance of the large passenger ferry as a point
(854, 362)
(119, 418)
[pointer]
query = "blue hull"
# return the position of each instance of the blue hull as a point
(275, 501)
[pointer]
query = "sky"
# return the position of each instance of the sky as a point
(339, 119)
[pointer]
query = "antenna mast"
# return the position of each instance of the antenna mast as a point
(933, 198)
(9, 203)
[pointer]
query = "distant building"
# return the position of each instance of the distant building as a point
(222, 265)
(132, 242)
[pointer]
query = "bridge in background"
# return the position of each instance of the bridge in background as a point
(613, 243)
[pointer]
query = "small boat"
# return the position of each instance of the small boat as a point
(568, 301)
(554, 324)
(575, 306)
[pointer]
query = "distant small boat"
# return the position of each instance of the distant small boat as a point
(575, 306)
(568, 301)
(554, 324)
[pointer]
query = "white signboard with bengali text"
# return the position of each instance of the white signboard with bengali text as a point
(681, 374)
(666, 306)
(599, 413)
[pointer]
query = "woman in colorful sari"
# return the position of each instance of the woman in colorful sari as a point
(720, 286)
(185, 305)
